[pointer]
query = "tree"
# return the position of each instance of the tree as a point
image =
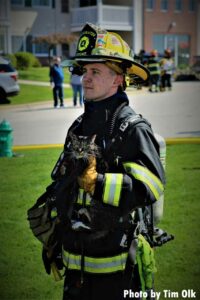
(54, 39)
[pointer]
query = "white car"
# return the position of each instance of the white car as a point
(8, 81)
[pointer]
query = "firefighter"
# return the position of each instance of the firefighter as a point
(100, 245)
(167, 70)
(154, 69)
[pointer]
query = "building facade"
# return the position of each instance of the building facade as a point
(21, 21)
(173, 24)
(144, 24)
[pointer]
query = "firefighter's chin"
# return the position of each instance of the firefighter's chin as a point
(88, 93)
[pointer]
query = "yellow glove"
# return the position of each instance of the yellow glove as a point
(88, 179)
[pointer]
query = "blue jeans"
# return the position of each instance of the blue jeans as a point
(77, 89)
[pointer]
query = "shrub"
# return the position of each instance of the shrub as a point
(26, 60)
(12, 59)
(36, 62)
(182, 66)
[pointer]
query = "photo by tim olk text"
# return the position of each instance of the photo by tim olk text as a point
(167, 294)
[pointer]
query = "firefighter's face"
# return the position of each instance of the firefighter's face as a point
(99, 81)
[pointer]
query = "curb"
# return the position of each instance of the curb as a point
(175, 141)
(32, 147)
(169, 141)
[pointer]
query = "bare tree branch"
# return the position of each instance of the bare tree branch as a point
(55, 39)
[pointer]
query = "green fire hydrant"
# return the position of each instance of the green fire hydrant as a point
(6, 139)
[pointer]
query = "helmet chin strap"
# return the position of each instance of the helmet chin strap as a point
(115, 67)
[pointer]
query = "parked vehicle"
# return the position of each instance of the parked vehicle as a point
(8, 81)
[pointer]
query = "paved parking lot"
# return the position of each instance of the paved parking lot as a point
(172, 114)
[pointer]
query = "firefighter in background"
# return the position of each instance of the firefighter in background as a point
(167, 70)
(141, 58)
(100, 245)
(154, 68)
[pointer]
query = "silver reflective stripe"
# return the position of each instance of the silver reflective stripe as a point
(143, 174)
(95, 265)
(112, 188)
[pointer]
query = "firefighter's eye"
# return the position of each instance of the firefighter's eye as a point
(94, 72)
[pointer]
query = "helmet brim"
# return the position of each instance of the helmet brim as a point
(133, 68)
(68, 63)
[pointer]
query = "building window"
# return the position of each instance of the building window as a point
(192, 5)
(158, 42)
(183, 49)
(87, 3)
(2, 43)
(64, 6)
(149, 4)
(41, 49)
(164, 5)
(65, 50)
(17, 2)
(178, 43)
(28, 3)
(29, 43)
(41, 2)
(178, 5)
(17, 43)
(3, 39)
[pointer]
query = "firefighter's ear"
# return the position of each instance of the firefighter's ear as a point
(118, 81)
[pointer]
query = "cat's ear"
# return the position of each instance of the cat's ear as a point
(93, 138)
(72, 136)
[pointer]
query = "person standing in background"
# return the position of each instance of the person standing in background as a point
(76, 83)
(56, 79)
(167, 70)
(154, 69)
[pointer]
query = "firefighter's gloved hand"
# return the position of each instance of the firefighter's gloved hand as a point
(88, 179)
(52, 256)
(46, 260)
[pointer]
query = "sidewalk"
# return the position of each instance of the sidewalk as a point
(40, 83)
(173, 115)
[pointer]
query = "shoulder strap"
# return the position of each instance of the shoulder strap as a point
(134, 119)
(76, 123)
(118, 132)
(131, 120)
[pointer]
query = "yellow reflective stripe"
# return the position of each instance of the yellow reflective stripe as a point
(54, 213)
(95, 265)
(153, 65)
(143, 174)
(80, 197)
(112, 188)
(155, 72)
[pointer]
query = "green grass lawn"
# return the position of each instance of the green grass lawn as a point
(40, 74)
(178, 262)
(34, 93)
(23, 178)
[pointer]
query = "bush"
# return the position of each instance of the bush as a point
(182, 66)
(25, 60)
(36, 63)
(12, 59)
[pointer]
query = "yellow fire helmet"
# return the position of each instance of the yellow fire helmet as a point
(96, 44)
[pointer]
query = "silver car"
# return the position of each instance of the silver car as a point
(8, 81)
